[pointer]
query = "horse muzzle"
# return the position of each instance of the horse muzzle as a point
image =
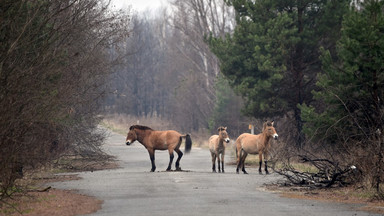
(128, 143)
(275, 136)
(227, 140)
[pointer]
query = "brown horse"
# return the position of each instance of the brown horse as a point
(159, 140)
(255, 144)
(217, 147)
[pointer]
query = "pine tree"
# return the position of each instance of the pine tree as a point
(352, 87)
(272, 57)
(352, 90)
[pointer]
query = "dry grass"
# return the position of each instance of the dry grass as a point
(53, 202)
(120, 124)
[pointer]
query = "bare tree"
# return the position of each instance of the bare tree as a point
(53, 66)
(172, 72)
(192, 21)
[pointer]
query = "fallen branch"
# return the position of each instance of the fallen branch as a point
(41, 190)
(329, 173)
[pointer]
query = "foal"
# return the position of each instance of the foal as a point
(217, 147)
(255, 144)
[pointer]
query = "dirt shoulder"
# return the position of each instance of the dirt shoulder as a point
(41, 200)
(52, 202)
(348, 195)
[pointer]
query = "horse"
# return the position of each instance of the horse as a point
(255, 144)
(217, 147)
(159, 140)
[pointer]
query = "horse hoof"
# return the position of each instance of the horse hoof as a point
(178, 169)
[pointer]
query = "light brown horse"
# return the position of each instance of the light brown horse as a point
(217, 148)
(159, 140)
(255, 144)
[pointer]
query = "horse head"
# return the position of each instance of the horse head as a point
(223, 135)
(270, 130)
(131, 136)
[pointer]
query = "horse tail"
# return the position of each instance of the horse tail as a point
(188, 143)
(237, 151)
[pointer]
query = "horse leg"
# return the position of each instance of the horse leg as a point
(213, 162)
(152, 157)
(218, 161)
(179, 154)
(243, 161)
(260, 162)
(238, 155)
(222, 162)
(265, 163)
(240, 162)
(171, 156)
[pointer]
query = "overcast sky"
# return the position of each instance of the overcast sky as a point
(138, 5)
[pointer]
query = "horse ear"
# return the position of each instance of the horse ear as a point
(273, 121)
(225, 128)
(219, 128)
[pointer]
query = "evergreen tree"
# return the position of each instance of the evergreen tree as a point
(227, 109)
(352, 90)
(352, 87)
(272, 57)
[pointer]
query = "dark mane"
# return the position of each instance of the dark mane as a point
(140, 127)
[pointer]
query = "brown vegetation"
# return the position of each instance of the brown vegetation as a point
(120, 123)
(55, 57)
(53, 202)
(40, 199)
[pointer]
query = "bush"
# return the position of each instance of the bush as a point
(54, 61)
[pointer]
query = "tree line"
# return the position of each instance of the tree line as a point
(320, 65)
(172, 73)
(313, 66)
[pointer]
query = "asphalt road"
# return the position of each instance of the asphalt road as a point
(133, 190)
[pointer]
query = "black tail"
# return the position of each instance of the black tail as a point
(188, 143)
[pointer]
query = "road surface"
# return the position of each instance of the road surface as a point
(133, 190)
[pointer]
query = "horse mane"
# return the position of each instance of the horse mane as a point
(140, 127)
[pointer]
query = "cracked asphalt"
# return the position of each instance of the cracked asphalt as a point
(133, 190)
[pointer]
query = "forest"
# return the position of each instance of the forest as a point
(315, 67)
